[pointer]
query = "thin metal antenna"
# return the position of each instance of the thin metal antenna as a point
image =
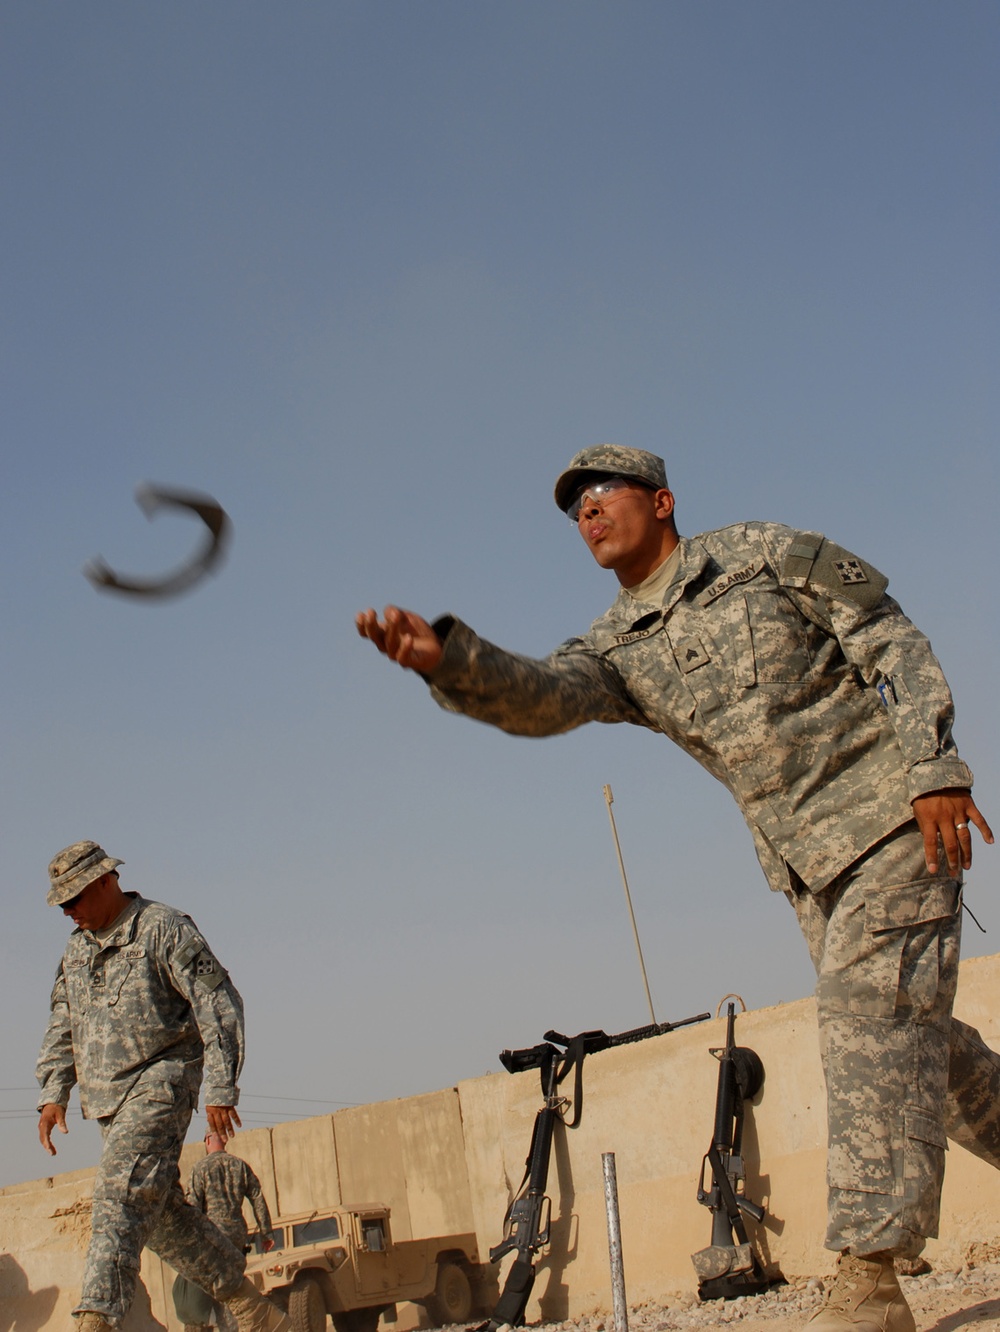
(628, 898)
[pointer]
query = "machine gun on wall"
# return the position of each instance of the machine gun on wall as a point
(526, 1222)
(729, 1267)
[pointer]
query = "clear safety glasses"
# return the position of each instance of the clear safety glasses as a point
(597, 490)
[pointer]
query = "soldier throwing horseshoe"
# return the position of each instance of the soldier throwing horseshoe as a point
(776, 659)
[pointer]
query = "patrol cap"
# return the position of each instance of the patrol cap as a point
(75, 868)
(609, 459)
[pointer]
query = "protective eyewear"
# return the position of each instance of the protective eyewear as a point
(596, 490)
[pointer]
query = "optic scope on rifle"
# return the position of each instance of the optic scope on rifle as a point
(526, 1223)
(729, 1267)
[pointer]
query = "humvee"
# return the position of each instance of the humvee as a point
(342, 1261)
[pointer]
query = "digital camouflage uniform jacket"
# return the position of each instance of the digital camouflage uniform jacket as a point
(151, 999)
(219, 1183)
(777, 661)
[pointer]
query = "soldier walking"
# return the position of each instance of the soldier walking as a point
(218, 1186)
(140, 1010)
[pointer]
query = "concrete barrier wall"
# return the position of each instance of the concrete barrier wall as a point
(449, 1161)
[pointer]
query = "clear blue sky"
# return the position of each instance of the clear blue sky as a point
(370, 273)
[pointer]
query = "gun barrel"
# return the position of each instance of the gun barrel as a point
(655, 1029)
(600, 1040)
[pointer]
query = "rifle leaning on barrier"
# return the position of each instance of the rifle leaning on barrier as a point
(526, 1222)
(729, 1267)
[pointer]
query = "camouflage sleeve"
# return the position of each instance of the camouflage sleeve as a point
(255, 1196)
(847, 596)
(56, 1067)
(217, 1008)
(526, 695)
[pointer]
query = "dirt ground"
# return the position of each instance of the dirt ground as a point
(941, 1302)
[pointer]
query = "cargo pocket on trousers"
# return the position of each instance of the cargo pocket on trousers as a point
(910, 1166)
(151, 1175)
(923, 1167)
(925, 1131)
(898, 957)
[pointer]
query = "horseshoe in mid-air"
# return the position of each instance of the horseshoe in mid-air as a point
(151, 499)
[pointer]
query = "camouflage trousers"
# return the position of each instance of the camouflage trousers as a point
(900, 1072)
(138, 1203)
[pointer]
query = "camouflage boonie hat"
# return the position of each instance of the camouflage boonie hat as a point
(75, 868)
(613, 459)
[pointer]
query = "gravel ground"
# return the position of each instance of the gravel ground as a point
(941, 1302)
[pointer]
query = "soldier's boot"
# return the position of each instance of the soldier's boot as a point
(253, 1313)
(864, 1297)
(89, 1321)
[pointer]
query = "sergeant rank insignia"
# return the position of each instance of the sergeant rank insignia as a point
(850, 571)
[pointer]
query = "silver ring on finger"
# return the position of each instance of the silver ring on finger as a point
(960, 826)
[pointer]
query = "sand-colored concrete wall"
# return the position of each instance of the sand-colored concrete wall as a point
(448, 1162)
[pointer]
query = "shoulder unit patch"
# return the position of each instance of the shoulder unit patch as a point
(850, 571)
(207, 971)
(836, 570)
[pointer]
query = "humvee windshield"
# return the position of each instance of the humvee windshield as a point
(315, 1232)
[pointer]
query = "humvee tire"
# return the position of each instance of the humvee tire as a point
(307, 1306)
(452, 1299)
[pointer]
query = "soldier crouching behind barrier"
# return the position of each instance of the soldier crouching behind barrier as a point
(140, 1005)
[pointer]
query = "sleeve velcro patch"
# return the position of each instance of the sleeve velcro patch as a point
(188, 950)
(800, 557)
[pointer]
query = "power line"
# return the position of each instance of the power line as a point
(246, 1096)
(305, 1100)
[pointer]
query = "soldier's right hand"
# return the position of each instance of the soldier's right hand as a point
(52, 1116)
(403, 636)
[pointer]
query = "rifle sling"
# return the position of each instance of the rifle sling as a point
(575, 1052)
(573, 1058)
(728, 1194)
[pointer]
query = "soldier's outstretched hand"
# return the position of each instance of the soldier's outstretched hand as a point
(403, 636)
(52, 1116)
(944, 817)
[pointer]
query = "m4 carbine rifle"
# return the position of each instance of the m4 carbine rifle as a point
(526, 1222)
(729, 1267)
